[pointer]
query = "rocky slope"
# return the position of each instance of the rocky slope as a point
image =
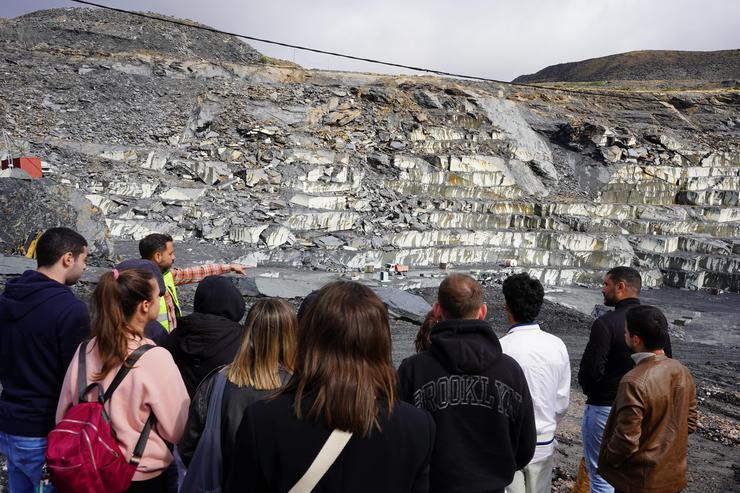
(177, 130)
(645, 66)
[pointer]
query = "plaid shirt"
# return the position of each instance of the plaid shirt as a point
(196, 273)
(190, 275)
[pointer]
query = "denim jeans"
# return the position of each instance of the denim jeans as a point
(26, 457)
(592, 429)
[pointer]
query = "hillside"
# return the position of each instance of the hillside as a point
(645, 65)
(99, 32)
(147, 127)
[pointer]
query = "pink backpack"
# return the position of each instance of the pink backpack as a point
(82, 454)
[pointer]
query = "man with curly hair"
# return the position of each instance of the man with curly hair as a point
(546, 365)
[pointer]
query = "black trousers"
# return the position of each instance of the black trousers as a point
(154, 485)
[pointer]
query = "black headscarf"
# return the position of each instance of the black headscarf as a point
(217, 295)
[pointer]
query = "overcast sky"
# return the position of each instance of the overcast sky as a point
(498, 39)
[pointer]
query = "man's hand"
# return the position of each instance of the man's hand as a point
(238, 268)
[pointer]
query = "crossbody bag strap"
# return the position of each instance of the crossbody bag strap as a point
(323, 461)
(82, 373)
(213, 416)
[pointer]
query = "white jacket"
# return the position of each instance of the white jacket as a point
(544, 360)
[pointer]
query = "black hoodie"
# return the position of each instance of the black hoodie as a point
(41, 325)
(210, 336)
(481, 405)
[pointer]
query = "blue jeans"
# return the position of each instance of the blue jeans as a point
(26, 457)
(592, 429)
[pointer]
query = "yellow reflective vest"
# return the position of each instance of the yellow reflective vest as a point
(169, 284)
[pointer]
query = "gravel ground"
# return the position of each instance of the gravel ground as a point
(713, 450)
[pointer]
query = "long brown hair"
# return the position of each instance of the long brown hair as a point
(424, 336)
(115, 300)
(344, 359)
(268, 342)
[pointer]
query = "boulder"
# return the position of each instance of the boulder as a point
(275, 236)
(30, 206)
(612, 154)
(403, 304)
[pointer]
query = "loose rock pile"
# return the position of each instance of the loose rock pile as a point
(190, 133)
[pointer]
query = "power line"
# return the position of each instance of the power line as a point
(389, 64)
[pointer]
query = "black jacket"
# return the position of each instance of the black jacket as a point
(607, 358)
(209, 337)
(235, 402)
(480, 402)
(274, 450)
(202, 343)
(41, 325)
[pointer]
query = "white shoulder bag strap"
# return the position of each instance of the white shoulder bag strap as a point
(327, 455)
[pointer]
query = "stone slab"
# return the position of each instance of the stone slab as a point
(404, 304)
(15, 265)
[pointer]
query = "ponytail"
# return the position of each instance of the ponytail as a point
(115, 300)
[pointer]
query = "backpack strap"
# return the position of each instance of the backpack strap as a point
(82, 389)
(141, 443)
(105, 397)
(123, 371)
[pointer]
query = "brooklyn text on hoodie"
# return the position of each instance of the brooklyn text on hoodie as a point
(468, 390)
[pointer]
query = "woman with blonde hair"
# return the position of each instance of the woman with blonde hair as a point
(340, 404)
(124, 303)
(261, 366)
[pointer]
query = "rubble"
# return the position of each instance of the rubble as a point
(338, 171)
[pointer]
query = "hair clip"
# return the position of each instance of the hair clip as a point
(115, 274)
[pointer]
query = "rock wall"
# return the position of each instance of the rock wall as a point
(338, 171)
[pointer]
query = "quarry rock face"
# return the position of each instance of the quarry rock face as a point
(191, 133)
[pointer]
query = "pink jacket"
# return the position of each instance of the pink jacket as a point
(154, 384)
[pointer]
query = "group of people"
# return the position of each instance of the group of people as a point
(640, 403)
(312, 401)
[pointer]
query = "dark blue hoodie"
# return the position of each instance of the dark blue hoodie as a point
(41, 325)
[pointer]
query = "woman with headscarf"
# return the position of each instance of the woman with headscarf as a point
(209, 337)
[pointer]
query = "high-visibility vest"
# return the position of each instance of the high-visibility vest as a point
(169, 284)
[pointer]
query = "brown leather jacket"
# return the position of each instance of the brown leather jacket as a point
(645, 442)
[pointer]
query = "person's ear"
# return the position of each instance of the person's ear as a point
(143, 307)
(482, 312)
(157, 258)
(437, 311)
(636, 340)
(67, 260)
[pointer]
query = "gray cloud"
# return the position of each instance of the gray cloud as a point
(496, 38)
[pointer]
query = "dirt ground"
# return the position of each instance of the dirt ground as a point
(714, 451)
